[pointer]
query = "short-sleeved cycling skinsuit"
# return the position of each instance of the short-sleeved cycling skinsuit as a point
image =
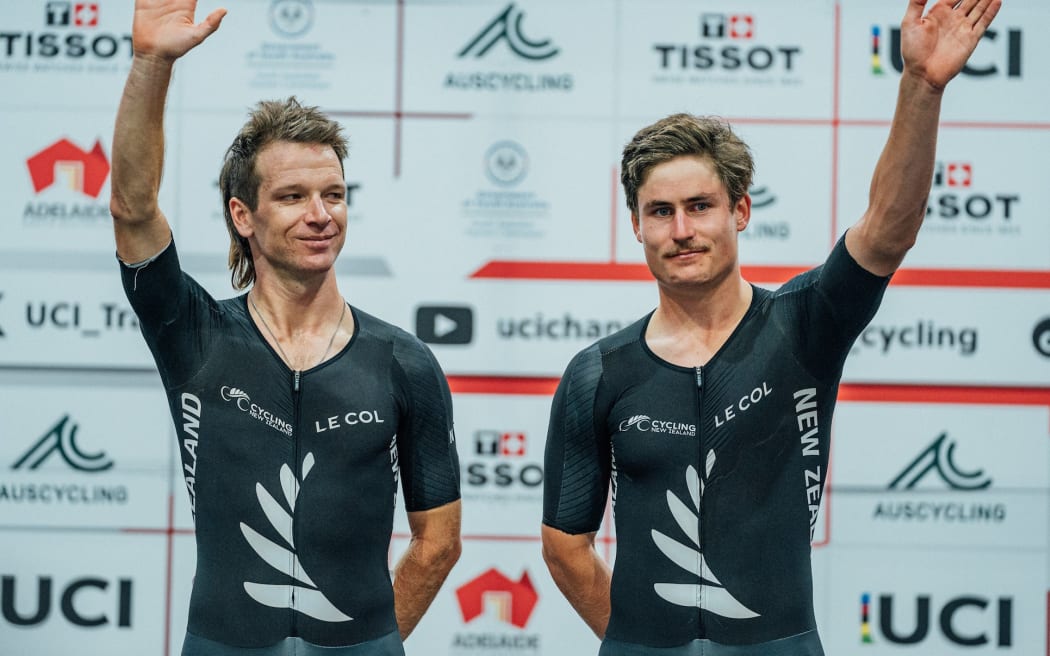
(716, 471)
(292, 476)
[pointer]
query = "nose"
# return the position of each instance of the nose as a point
(681, 228)
(316, 212)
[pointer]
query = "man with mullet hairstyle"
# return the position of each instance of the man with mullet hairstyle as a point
(295, 412)
(710, 417)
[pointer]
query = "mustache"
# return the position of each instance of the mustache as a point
(689, 247)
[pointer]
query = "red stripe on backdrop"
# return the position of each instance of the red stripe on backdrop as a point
(539, 386)
(615, 272)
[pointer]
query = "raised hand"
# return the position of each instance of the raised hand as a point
(936, 46)
(165, 28)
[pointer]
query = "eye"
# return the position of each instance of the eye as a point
(700, 206)
(662, 212)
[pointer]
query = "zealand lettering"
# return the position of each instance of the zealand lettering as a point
(191, 422)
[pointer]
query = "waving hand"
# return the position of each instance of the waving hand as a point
(165, 28)
(936, 46)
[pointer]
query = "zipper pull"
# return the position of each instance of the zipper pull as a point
(699, 377)
(295, 381)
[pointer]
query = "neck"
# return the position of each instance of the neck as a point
(304, 325)
(690, 325)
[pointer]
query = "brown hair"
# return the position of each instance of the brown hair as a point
(270, 121)
(686, 134)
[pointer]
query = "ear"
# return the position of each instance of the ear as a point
(742, 211)
(242, 217)
(637, 226)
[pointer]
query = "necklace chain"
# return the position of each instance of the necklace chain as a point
(277, 342)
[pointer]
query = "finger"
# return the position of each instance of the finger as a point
(211, 23)
(985, 12)
(965, 6)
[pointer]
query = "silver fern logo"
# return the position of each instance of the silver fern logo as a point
(307, 600)
(709, 593)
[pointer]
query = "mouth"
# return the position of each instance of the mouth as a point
(686, 253)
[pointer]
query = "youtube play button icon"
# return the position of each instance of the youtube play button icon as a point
(445, 324)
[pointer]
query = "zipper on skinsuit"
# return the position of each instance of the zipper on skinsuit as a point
(297, 470)
(700, 509)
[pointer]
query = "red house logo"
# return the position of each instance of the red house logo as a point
(84, 171)
(512, 601)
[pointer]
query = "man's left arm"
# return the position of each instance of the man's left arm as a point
(934, 47)
(433, 550)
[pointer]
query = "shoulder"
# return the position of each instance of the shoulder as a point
(589, 365)
(406, 349)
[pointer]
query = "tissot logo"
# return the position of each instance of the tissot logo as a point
(445, 324)
(510, 601)
(80, 170)
(1040, 337)
(291, 17)
(965, 621)
(61, 439)
(938, 459)
(72, 35)
(506, 27)
(721, 26)
(959, 205)
(80, 14)
(998, 55)
(496, 443)
(88, 601)
(728, 46)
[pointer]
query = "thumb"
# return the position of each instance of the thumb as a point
(914, 11)
(211, 23)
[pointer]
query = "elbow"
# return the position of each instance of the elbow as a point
(125, 209)
(445, 555)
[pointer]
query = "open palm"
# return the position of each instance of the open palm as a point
(165, 28)
(937, 45)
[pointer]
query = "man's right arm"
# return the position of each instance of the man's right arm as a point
(581, 575)
(163, 31)
(577, 465)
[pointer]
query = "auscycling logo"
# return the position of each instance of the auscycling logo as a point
(244, 403)
(935, 467)
(506, 27)
(646, 424)
(61, 439)
(47, 487)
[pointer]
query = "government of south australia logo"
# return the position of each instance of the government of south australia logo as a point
(291, 17)
(506, 27)
(308, 600)
(715, 598)
(61, 439)
(506, 163)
